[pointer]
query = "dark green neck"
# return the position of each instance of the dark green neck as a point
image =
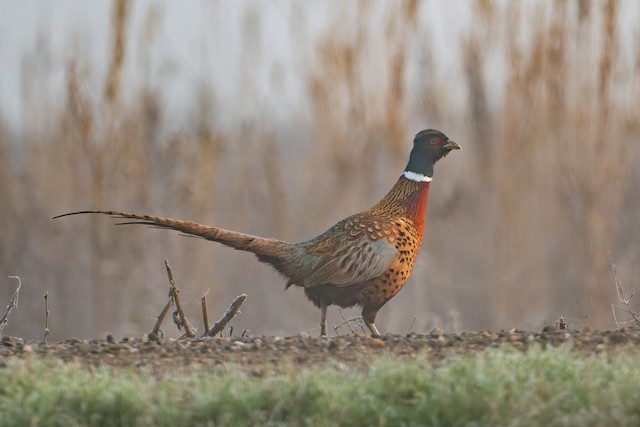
(420, 162)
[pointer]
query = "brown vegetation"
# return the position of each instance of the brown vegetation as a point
(543, 98)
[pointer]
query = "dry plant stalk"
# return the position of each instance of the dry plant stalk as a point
(413, 322)
(173, 292)
(181, 319)
(348, 323)
(160, 319)
(205, 314)
(13, 303)
(233, 309)
(626, 302)
(46, 316)
(120, 17)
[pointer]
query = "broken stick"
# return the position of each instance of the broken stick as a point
(13, 303)
(233, 309)
(205, 314)
(189, 331)
(163, 313)
(46, 316)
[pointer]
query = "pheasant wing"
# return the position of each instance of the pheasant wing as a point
(344, 259)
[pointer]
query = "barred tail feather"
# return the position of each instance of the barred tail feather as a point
(269, 251)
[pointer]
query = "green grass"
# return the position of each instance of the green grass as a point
(502, 387)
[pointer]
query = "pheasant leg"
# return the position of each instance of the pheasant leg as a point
(323, 318)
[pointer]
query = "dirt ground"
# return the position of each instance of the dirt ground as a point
(269, 355)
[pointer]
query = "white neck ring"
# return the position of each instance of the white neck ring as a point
(417, 177)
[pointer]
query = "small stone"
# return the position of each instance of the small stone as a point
(128, 348)
(239, 345)
(377, 342)
(436, 332)
(617, 337)
(257, 344)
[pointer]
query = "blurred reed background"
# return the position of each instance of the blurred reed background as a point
(542, 95)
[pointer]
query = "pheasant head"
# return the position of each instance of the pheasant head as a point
(429, 146)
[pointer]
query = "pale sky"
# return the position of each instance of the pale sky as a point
(200, 44)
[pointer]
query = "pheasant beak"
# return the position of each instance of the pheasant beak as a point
(450, 145)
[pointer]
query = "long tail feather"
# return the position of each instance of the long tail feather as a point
(270, 251)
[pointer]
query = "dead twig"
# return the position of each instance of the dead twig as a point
(46, 316)
(163, 314)
(13, 303)
(415, 317)
(205, 314)
(626, 302)
(348, 323)
(233, 309)
(189, 331)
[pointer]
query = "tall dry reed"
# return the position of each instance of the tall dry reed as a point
(543, 99)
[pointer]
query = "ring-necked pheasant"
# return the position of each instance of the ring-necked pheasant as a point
(363, 260)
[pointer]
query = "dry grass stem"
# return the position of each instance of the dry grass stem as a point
(233, 309)
(13, 303)
(626, 302)
(174, 292)
(46, 316)
(413, 322)
(347, 322)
